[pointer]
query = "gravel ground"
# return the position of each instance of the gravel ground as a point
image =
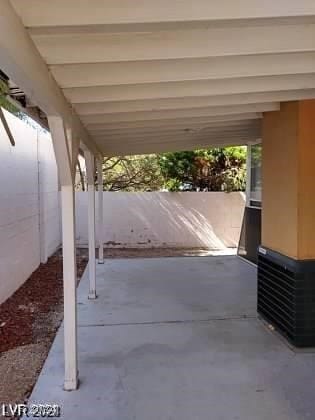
(29, 320)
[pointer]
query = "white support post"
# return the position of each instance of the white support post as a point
(248, 175)
(90, 170)
(66, 176)
(100, 212)
(69, 288)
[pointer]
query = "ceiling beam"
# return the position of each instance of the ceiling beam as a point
(131, 143)
(165, 26)
(175, 128)
(178, 122)
(124, 12)
(94, 48)
(137, 138)
(195, 88)
(121, 149)
(192, 102)
(157, 71)
(20, 60)
(194, 112)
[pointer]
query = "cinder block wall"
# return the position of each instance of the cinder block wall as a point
(29, 204)
(154, 219)
(30, 228)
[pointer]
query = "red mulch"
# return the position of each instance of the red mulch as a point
(40, 295)
(30, 307)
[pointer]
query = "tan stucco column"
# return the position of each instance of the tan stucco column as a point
(288, 180)
(286, 259)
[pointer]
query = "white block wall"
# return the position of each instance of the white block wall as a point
(30, 228)
(50, 212)
(29, 204)
(155, 219)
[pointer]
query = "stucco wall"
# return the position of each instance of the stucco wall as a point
(288, 180)
(28, 176)
(154, 219)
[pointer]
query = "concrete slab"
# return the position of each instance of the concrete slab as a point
(197, 357)
(170, 289)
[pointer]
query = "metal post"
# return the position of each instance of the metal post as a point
(100, 212)
(90, 166)
(248, 175)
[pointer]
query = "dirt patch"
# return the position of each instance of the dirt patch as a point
(29, 320)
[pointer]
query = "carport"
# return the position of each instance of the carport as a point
(178, 338)
(121, 77)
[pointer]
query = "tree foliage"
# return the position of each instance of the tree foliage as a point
(205, 170)
(4, 103)
(132, 173)
(199, 170)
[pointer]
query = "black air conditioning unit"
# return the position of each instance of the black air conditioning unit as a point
(286, 296)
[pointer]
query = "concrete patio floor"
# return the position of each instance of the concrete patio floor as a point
(178, 339)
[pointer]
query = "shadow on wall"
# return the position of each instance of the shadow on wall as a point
(201, 224)
(209, 220)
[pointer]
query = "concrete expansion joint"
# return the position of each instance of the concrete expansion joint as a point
(185, 321)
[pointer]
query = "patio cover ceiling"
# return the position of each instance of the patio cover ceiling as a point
(163, 75)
